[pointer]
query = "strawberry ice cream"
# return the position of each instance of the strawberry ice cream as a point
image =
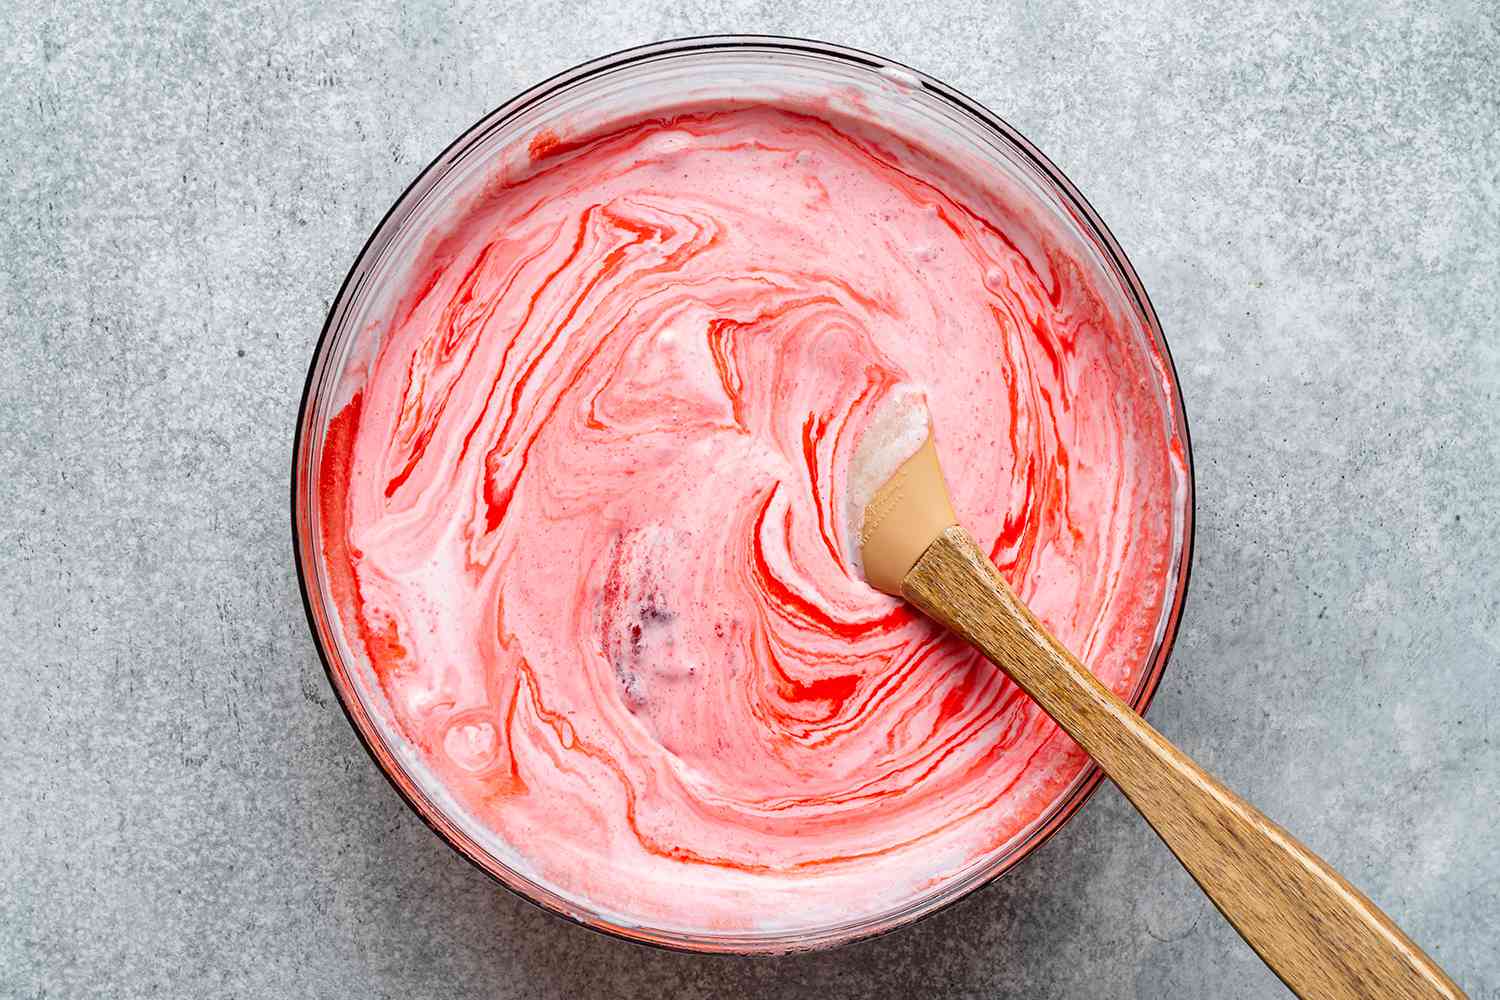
(585, 516)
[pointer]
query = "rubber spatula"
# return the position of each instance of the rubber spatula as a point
(1317, 932)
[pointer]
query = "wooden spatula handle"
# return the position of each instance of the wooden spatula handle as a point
(1315, 930)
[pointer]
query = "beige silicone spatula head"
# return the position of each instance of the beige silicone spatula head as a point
(897, 495)
(1315, 930)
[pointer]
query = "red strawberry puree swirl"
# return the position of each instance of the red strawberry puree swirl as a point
(585, 515)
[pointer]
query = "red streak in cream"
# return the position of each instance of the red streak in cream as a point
(584, 517)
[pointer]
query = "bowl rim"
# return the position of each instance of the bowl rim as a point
(1088, 780)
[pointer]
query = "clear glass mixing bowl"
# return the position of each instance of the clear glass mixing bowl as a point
(726, 68)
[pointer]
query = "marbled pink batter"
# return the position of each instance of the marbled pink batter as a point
(585, 516)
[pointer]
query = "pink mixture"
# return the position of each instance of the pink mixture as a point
(585, 516)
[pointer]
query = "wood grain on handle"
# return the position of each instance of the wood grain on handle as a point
(1315, 930)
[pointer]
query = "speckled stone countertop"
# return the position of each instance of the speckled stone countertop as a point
(1311, 195)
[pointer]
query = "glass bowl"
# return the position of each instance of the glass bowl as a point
(727, 68)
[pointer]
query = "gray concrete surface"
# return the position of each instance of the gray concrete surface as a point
(1312, 197)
